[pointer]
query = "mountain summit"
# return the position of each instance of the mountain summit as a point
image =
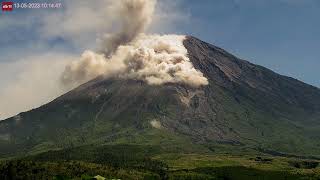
(244, 106)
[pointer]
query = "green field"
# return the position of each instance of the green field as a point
(152, 162)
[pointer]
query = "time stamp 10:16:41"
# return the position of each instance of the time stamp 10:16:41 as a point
(36, 5)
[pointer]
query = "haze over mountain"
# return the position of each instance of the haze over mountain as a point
(243, 106)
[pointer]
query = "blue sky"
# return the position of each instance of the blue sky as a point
(283, 35)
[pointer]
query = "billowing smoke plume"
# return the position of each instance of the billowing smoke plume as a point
(26, 82)
(130, 54)
(134, 16)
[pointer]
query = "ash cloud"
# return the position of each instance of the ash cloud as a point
(131, 54)
(134, 16)
(41, 72)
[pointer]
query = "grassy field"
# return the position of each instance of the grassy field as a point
(242, 167)
(149, 162)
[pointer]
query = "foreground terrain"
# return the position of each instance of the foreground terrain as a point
(148, 162)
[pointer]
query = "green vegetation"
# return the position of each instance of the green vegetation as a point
(152, 162)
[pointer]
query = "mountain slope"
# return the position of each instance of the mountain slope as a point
(245, 106)
(276, 108)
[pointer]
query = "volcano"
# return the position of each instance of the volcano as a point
(244, 107)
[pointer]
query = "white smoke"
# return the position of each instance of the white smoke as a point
(152, 58)
(33, 78)
(133, 17)
(130, 54)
